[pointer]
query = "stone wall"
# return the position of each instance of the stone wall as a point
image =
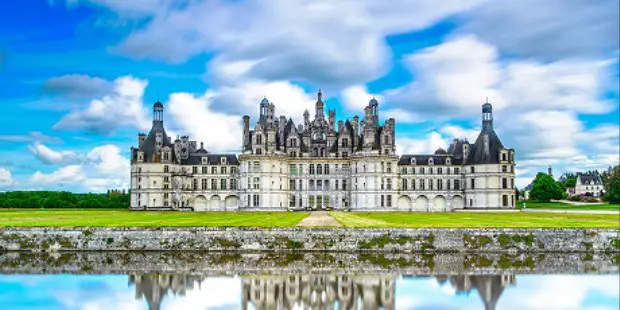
(236, 263)
(484, 240)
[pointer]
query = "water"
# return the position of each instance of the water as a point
(116, 281)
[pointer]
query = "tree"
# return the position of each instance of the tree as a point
(570, 182)
(545, 188)
(612, 186)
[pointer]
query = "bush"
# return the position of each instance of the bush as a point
(574, 198)
(545, 188)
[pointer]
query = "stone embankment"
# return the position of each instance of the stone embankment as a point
(236, 263)
(395, 240)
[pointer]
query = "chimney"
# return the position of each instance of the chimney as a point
(141, 138)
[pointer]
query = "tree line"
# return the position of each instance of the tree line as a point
(53, 200)
(545, 188)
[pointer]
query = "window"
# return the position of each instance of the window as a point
(430, 184)
(166, 155)
(259, 152)
(439, 170)
(213, 184)
(233, 184)
(223, 170)
(422, 183)
(457, 185)
(456, 170)
(256, 183)
(473, 185)
(204, 170)
(256, 166)
(389, 200)
(404, 184)
(259, 139)
(311, 201)
(504, 168)
(504, 183)
(421, 170)
(319, 169)
(345, 142)
(292, 169)
(412, 184)
(319, 185)
(195, 170)
(503, 156)
(382, 200)
(382, 184)
(292, 202)
(233, 170)
(166, 179)
(344, 184)
(311, 169)
(301, 185)
(291, 185)
(204, 184)
(326, 169)
(512, 183)
(195, 184)
(311, 184)
(389, 184)
(213, 170)
(166, 169)
(223, 184)
(472, 169)
(256, 200)
(448, 184)
(439, 185)
(389, 167)
(345, 154)
(327, 185)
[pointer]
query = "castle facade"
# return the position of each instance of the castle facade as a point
(322, 164)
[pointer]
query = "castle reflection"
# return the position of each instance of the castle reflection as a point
(317, 291)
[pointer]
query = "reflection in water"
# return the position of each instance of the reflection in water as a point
(316, 291)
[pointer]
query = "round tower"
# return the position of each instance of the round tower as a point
(487, 116)
(158, 112)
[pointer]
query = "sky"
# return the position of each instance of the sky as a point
(79, 77)
(94, 292)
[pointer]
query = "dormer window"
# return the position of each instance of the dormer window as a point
(430, 161)
(223, 161)
(448, 161)
(413, 160)
(205, 160)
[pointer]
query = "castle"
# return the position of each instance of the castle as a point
(322, 164)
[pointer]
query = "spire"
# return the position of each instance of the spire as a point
(319, 95)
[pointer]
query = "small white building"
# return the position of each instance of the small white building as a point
(589, 184)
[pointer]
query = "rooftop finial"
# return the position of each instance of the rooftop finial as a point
(487, 99)
(320, 95)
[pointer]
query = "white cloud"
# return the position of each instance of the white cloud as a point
(77, 85)
(428, 145)
(6, 179)
(356, 98)
(121, 108)
(35, 136)
(323, 42)
(49, 156)
(453, 79)
(548, 29)
(100, 169)
(61, 176)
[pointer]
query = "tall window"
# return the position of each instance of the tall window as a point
(504, 168)
(311, 184)
(311, 169)
(473, 184)
(223, 184)
(213, 184)
(389, 200)
(344, 184)
(256, 200)
(422, 183)
(233, 184)
(404, 184)
(259, 139)
(319, 169)
(456, 171)
(472, 169)
(291, 184)
(345, 142)
(439, 185)
(504, 183)
(292, 169)
(256, 183)
(195, 170)
(389, 167)
(195, 184)
(223, 170)
(382, 200)
(439, 171)
(430, 184)
(389, 184)
(204, 184)
(213, 170)
(412, 184)
(292, 202)
(319, 185)
(326, 169)
(457, 185)
(166, 168)
(204, 170)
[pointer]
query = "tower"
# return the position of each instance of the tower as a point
(319, 106)
(158, 112)
(374, 105)
(487, 116)
(264, 105)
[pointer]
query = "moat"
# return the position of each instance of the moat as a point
(195, 280)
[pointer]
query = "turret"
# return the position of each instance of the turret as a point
(246, 133)
(158, 112)
(264, 105)
(319, 106)
(374, 105)
(332, 120)
(487, 116)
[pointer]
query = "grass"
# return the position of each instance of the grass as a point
(531, 204)
(473, 220)
(126, 218)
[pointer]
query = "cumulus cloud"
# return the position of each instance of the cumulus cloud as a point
(6, 179)
(549, 30)
(51, 157)
(61, 176)
(454, 78)
(102, 168)
(78, 85)
(323, 42)
(356, 98)
(123, 107)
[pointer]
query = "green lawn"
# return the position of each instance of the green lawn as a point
(462, 220)
(126, 218)
(530, 204)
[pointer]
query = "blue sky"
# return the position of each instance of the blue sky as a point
(79, 77)
(529, 292)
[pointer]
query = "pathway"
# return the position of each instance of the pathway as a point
(319, 219)
(572, 211)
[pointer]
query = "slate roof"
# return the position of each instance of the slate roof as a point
(477, 153)
(212, 159)
(586, 178)
(422, 160)
(148, 146)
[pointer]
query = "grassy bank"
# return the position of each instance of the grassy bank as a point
(469, 220)
(126, 218)
(530, 204)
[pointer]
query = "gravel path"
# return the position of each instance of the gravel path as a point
(319, 219)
